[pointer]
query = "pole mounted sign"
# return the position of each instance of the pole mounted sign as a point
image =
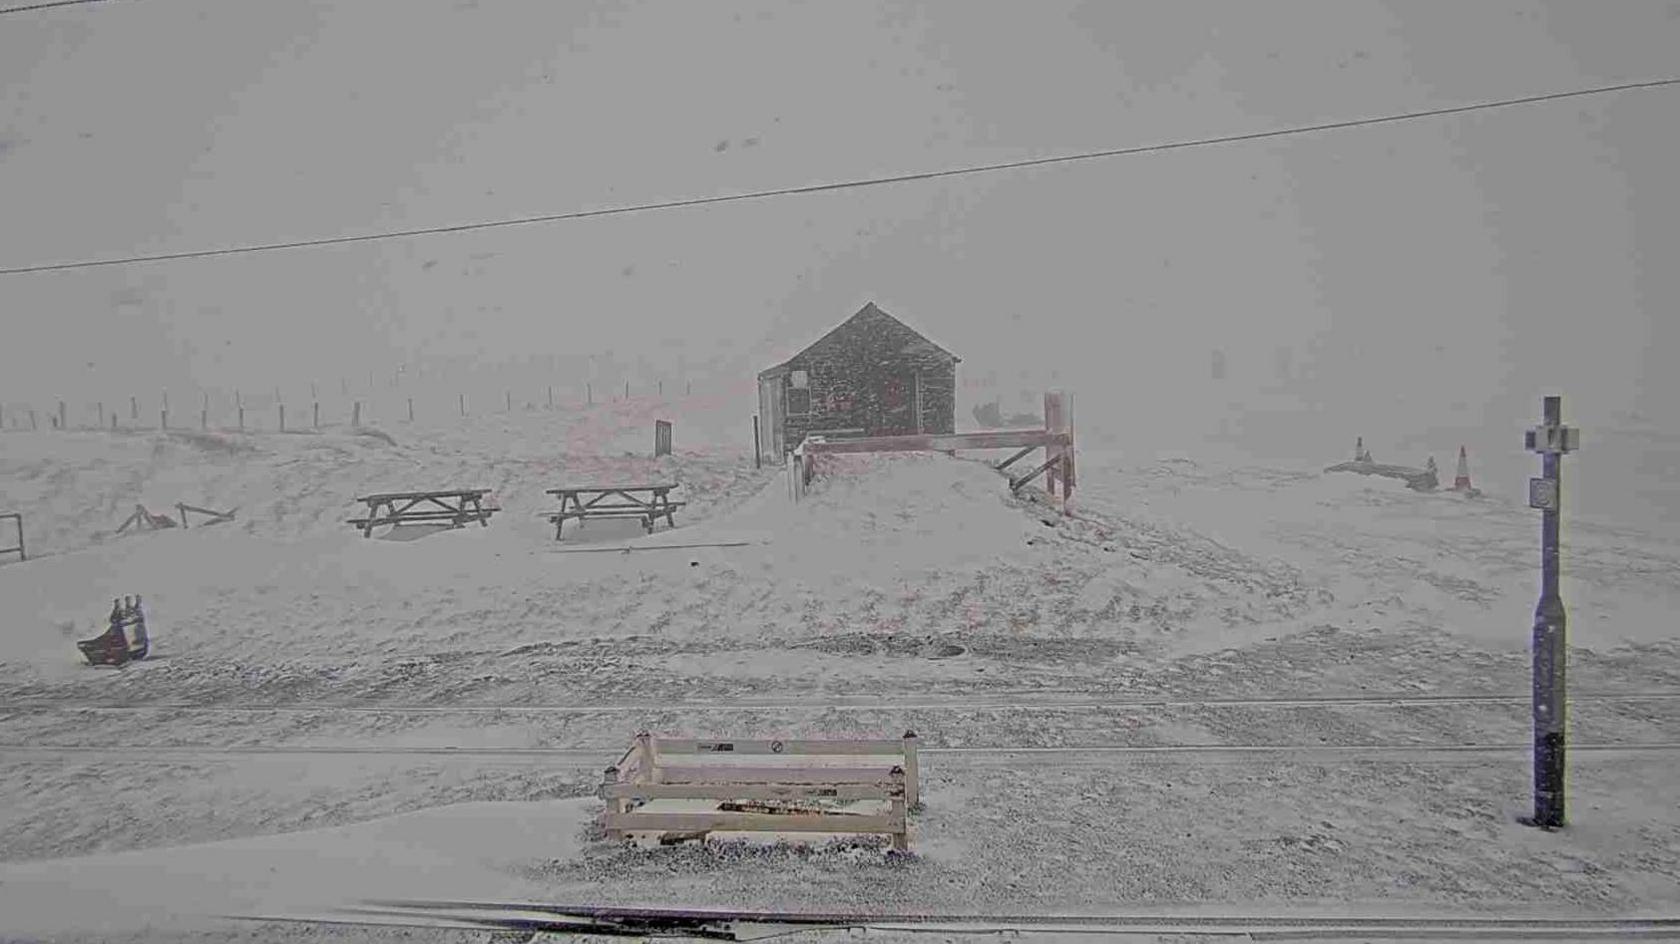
(1552, 440)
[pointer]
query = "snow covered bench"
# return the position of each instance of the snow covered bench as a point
(614, 501)
(646, 792)
(456, 507)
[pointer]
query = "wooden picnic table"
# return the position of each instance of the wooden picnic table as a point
(614, 501)
(456, 506)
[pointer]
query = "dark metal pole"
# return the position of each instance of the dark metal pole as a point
(758, 450)
(1550, 639)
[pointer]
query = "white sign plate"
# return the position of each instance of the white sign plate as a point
(1543, 494)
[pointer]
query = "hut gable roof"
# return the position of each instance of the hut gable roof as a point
(917, 343)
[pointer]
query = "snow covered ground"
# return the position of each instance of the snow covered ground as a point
(1215, 686)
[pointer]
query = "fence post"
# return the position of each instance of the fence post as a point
(411, 409)
(614, 804)
(589, 394)
(551, 396)
(282, 417)
(239, 403)
(912, 771)
(317, 414)
(648, 764)
(661, 438)
(356, 413)
(133, 408)
(113, 419)
(32, 425)
(509, 395)
(627, 390)
(463, 399)
(758, 450)
(163, 412)
(63, 422)
(101, 408)
(901, 838)
(204, 412)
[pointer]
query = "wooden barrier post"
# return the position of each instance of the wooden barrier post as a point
(204, 412)
(356, 413)
(411, 409)
(33, 427)
(627, 390)
(101, 409)
(647, 757)
(912, 772)
(509, 395)
(463, 399)
(551, 396)
(618, 805)
(758, 450)
(133, 408)
(113, 419)
(589, 394)
(317, 406)
(63, 417)
(239, 404)
(282, 417)
(661, 438)
(163, 412)
(900, 811)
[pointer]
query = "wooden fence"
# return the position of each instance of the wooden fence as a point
(766, 797)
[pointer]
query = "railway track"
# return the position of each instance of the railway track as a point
(1005, 703)
(742, 925)
(1399, 752)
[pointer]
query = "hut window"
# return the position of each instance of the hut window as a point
(799, 392)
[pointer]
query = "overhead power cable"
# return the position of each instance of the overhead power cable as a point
(846, 184)
(47, 4)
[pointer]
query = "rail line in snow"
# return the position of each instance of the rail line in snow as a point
(537, 917)
(1398, 752)
(1004, 703)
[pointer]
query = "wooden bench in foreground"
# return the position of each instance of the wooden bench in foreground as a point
(456, 507)
(647, 503)
(778, 794)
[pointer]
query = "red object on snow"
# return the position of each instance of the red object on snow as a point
(1461, 481)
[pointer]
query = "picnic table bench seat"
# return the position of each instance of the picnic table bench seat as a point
(456, 507)
(614, 501)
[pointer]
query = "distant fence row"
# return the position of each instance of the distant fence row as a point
(270, 410)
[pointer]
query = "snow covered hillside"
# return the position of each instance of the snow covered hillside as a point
(1186, 616)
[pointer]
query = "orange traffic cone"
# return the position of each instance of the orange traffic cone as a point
(1461, 481)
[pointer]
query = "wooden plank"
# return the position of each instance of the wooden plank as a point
(1016, 483)
(944, 442)
(1014, 458)
(743, 774)
(749, 822)
(575, 489)
(746, 791)
(835, 747)
(421, 496)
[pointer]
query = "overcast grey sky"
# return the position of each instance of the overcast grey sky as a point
(1425, 275)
